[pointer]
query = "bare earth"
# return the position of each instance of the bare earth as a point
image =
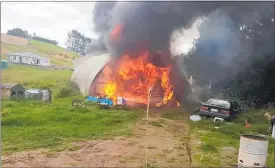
(168, 145)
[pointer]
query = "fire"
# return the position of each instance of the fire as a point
(116, 31)
(134, 76)
(110, 89)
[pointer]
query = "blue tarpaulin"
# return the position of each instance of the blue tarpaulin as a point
(100, 100)
(92, 99)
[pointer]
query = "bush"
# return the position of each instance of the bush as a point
(69, 90)
(5, 112)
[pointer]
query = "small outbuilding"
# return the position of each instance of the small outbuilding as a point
(12, 91)
(38, 94)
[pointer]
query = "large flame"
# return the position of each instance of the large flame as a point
(133, 78)
(110, 89)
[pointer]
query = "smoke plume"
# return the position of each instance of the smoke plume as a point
(149, 25)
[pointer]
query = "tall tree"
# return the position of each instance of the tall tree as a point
(77, 42)
(18, 32)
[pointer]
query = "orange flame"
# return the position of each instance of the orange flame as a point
(116, 31)
(110, 89)
(136, 76)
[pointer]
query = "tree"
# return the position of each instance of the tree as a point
(77, 42)
(18, 32)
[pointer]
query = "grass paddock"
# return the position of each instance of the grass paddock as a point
(219, 138)
(28, 124)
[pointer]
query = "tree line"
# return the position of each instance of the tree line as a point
(25, 34)
(76, 41)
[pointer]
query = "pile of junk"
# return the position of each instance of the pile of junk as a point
(106, 102)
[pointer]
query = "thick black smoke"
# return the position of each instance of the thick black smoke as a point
(220, 49)
(102, 16)
(150, 24)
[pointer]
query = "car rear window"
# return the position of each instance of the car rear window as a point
(221, 103)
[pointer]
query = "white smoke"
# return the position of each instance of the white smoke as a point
(182, 40)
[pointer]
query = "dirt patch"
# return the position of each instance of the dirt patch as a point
(62, 56)
(8, 39)
(228, 154)
(166, 147)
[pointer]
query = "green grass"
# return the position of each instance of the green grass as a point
(44, 49)
(33, 77)
(228, 135)
(51, 48)
(31, 125)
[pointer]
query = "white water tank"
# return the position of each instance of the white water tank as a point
(45, 96)
(253, 151)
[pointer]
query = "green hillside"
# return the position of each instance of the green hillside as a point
(57, 55)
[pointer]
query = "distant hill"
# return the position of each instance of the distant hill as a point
(58, 56)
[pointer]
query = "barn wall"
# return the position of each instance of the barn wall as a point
(100, 80)
(86, 70)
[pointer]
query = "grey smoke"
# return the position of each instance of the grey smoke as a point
(96, 46)
(220, 44)
(102, 15)
(150, 24)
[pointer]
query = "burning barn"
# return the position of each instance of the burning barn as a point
(131, 78)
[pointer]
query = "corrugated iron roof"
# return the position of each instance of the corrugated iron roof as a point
(26, 54)
(34, 91)
(8, 85)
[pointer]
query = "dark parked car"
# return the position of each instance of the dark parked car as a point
(220, 108)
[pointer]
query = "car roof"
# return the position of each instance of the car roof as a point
(219, 100)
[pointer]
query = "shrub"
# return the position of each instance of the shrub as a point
(5, 112)
(69, 90)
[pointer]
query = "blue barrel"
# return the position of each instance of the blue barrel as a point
(4, 64)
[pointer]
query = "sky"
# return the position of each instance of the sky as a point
(53, 20)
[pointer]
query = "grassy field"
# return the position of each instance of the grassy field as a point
(44, 49)
(28, 124)
(219, 138)
(32, 77)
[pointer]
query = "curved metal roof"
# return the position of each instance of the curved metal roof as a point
(86, 69)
